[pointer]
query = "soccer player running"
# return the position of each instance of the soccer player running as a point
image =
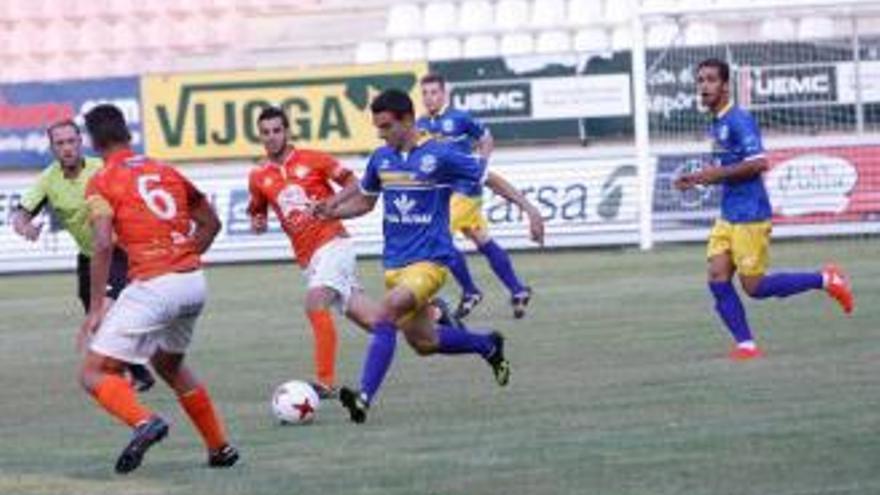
(414, 177)
(466, 134)
(289, 180)
(62, 186)
(165, 224)
(740, 239)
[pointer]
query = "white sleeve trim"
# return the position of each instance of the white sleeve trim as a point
(366, 192)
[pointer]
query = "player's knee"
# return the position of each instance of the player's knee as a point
(750, 285)
(719, 274)
(318, 299)
(423, 346)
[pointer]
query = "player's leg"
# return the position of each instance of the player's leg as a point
(195, 400)
(317, 305)
(427, 337)
(140, 374)
(752, 243)
(727, 302)
(463, 213)
(501, 265)
(185, 297)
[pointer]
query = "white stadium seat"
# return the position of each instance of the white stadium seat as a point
(585, 12)
(444, 49)
(619, 10)
(592, 39)
(403, 19)
(548, 13)
(439, 18)
(517, 44)
(480, 45)
(511, 14)
(661, 35)
(778, 29)
(815, 28)
(700, 33)
(407, 49)
(369, 52)
(621, 38)
(475, 16)
(553, 42)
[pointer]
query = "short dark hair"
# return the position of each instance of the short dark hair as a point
(59, 125)
(106, 126)
(270, 113)
(433, 77)
(395, 101)
(722, 66)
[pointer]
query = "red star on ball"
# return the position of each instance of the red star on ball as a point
(304, 409)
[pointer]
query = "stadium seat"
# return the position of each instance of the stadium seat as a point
(444, 49)
(584, 12)
(54, 37)
(548, 13)
(591, 40)
(403, 19)
(369, 52)
(29, 10)
(517, 44)
(661, 35)
(700, 33)
(475, 16)
(511, 14)
(480, 45)
(439, 18)
(815, 28)
(618, 11)
(407, 49)
(621, 38)
(778, 29)
(553, 42)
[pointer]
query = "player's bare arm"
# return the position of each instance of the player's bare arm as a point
(21, 223)
(717, 174)
(506, 190)
(102, 245)
(356, 204)
(207, 225)
(485, 145)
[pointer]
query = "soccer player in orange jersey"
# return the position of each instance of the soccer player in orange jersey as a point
(288, 181)
(164, 224)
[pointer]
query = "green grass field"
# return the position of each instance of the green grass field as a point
(620, 386)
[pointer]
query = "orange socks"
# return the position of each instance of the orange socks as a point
(325, 346)
(115, 394)
(198, 406)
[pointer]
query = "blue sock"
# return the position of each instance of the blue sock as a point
(459, 268)
(731, 310)
(461, 341)
(499, 260)
(787, 284)
(379, 356)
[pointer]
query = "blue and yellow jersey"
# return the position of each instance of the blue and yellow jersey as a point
(736, 138)
(459, 129)
(416, 187)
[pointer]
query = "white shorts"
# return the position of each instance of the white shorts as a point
(159, 313)
(334, 265)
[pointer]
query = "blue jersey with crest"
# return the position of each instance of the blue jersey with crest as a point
(737, 138)
(415, 190)
(459, 129)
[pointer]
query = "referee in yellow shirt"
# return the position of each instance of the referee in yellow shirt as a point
(62, 186)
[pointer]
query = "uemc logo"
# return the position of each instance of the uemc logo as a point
(494, 100)
(792, 84)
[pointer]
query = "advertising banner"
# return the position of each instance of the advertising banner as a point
(210, 116)
(27, 109)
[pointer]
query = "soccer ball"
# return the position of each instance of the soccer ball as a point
(295, 403)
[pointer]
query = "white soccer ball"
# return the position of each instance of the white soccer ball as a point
(295, 402)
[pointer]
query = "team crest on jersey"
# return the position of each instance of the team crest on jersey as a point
(448, 125)
(429, 164)
(723, 133)
(267, 182)
(300, 172)
(384, 164)
(292, 198)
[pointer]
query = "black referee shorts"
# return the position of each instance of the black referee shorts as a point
(115, 284)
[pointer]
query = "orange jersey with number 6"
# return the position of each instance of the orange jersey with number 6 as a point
(288, 188)
(150, 204)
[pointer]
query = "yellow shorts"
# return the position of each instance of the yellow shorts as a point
(747, 243)
(424, 279)
(466, 212)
